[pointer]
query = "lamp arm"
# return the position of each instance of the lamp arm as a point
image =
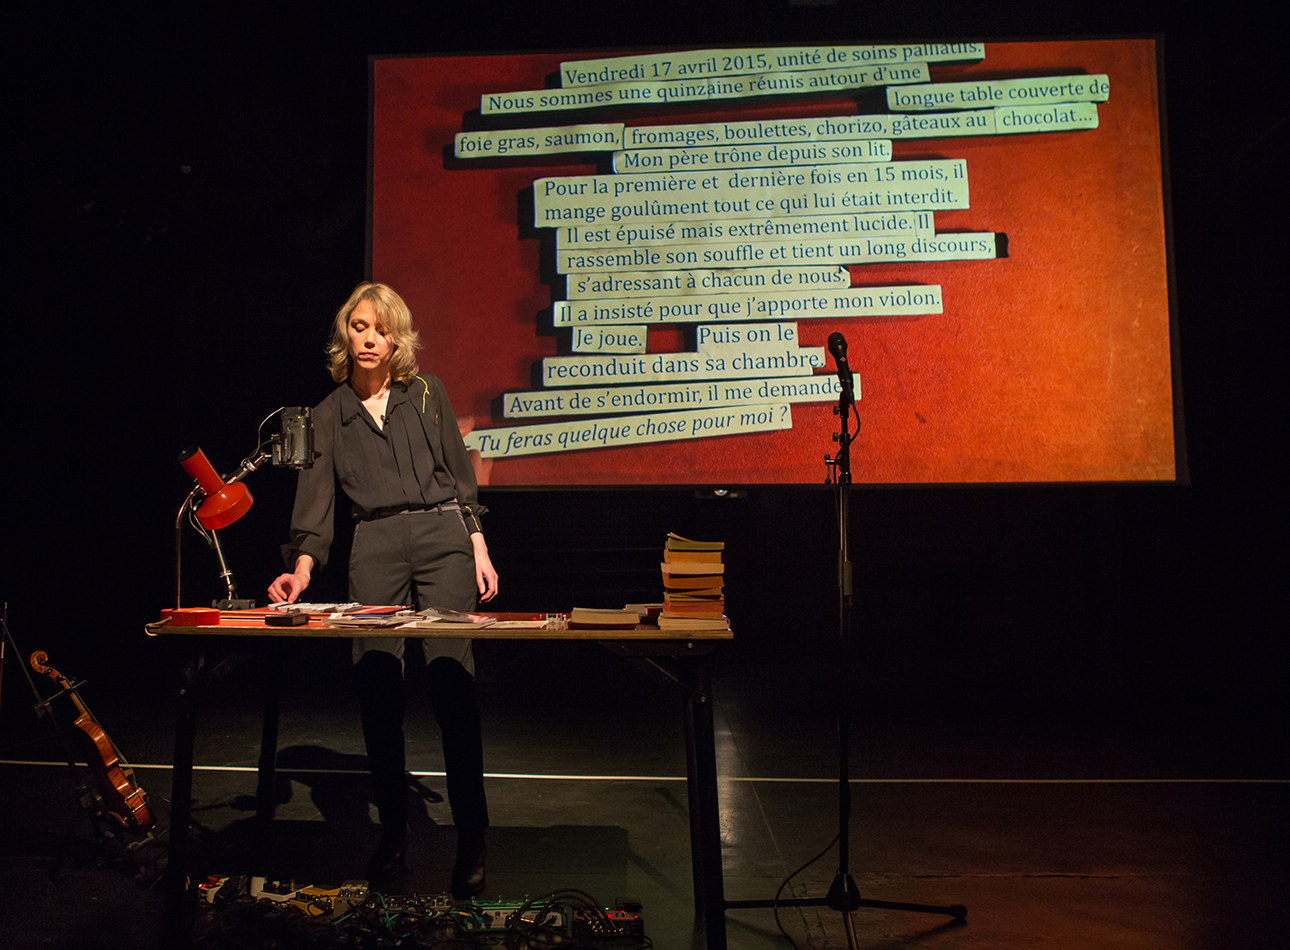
(247, 466)
(179, 524)
(226, 575)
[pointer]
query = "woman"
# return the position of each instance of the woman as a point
(390, 437)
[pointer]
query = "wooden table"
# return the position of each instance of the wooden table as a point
(682, 657)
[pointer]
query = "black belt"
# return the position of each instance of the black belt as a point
(378, 513)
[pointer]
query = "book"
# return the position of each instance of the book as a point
(691, 581)
(680, 602)
(436, 624)
(677, 543)
(693, 567)
(591, 617)
(693, 623)
(444, 615)
(694, 610)
(369, 620)
(691, 557)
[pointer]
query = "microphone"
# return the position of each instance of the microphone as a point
(838, 347)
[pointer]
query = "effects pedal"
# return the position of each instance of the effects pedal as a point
(309, 900)
(623, 921)
(507, 915)
(626, 923)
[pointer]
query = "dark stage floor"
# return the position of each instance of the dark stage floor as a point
(1160, 829)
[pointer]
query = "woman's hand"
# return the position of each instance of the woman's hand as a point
(288, 587)
(485, 573)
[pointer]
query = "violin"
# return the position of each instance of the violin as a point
(124, 799)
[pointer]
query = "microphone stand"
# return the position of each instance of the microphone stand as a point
(843, 896)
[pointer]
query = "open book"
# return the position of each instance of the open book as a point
(443, 617)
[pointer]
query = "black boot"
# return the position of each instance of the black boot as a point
(389, 858)
(468, 873)
(378, 678)
(452, 694)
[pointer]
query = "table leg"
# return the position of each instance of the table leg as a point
(266, 777)
(178, 922)
(705, 815)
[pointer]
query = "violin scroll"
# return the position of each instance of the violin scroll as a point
(38, 660)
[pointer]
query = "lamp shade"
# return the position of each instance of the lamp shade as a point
(224, 504)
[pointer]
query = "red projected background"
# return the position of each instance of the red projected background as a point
(1051, 363)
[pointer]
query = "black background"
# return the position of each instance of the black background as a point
(188, 208)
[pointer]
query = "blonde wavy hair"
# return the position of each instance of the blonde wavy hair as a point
(392, 315)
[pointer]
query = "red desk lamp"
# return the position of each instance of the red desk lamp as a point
(217, 502)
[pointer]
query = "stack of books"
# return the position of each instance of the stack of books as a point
(693, 585)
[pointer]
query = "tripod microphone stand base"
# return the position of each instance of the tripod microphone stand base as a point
(853, 901)
(844, 898)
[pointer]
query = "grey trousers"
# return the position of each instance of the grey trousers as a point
(426, 555)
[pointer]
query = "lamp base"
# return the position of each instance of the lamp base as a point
(191, 616)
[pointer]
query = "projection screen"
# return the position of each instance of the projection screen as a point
(625, 266)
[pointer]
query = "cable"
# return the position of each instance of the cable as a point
(826, 850)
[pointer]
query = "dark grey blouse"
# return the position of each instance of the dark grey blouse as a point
(417, 460)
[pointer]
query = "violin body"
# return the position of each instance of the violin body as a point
(126, 802)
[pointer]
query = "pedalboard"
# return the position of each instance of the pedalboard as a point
(557, 917)
(309, 900)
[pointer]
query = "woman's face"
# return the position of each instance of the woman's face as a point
(370, 345)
